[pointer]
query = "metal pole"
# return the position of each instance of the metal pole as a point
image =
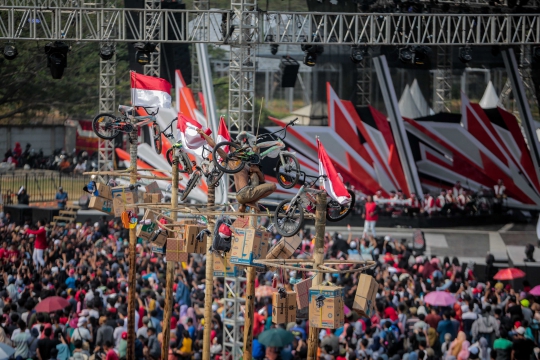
(208, 289)
(250, 304)
(169, 302)
(132, 254)
(318, 258)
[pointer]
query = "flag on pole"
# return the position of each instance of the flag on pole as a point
(150, 91)
(223, 133)
(333, 183)
(188, 132)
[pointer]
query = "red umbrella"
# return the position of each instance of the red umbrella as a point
(509, 274)
(52, 304)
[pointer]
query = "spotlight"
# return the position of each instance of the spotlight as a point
(10, 52)
(310, 59)
(465, 54)
(420, 54)
(57, 58)
(406, 55)
(274, 49)
(536, 53)
(143, 52)
(358, 54)
(106, 52)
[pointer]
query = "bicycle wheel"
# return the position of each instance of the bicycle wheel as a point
(213, 177)
(232, 163)
(169, 156)
(187, 165)
(157, 138)
(190, 185)
(288, 171)
(336, 212)
(106, 126)
(288, 218)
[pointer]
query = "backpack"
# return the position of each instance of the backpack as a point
(221, 243)
(390, 339)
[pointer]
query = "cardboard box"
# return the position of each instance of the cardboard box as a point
(175, 250)
(285, 248)
(192, 244)
(366, 294)
(248, 246)
(158, 249)
(145, 231)
(223, 267)
(240, 223)
(331, 314)
(124, 199)
(302, 293)
(153, 187)
(104, 191)
(101, 204)
(284, 309)
(161, 239)
(154, 198)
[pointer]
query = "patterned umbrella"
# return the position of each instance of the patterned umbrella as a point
(509, 274)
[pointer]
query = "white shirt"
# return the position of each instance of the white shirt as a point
(17, 332)
(81, 333)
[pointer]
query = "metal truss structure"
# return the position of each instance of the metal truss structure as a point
(151, 33)
(223, 26)
(195, 78)
(363, 82)
(241, 33)
(442, 80)
(232, 324)
(107, 101)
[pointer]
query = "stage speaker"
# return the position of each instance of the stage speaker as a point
(46, 214)
(289, 72)
(19, 213)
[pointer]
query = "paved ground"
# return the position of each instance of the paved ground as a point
(465, 242)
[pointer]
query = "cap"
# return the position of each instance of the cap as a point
(520, 330)
(124, 335)
(96, 224)
(60, 188)
(224, 231)
(525, 303)
(81, 321)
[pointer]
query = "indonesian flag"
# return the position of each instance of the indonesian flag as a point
(223, 133)
(333, 183)
(150, 91)
(188, 132)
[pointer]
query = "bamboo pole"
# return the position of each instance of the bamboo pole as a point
(132, 288)
(130, 174)
(209, 279)
(250, 304)
(318, 257)
(170, 270)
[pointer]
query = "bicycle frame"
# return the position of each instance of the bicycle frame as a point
(306, 188)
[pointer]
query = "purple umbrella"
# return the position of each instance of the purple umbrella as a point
(535, 291)
(440, 298)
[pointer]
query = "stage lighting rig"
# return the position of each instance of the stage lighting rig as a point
(311, 53)
(57, 58)
(358, 53)
(106, 52)
(10, 51)
(143, 52)
(421, 54)
(536, 53)
(406, 55)
(274, 49)
(465, 54)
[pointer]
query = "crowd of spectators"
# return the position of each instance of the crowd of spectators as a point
(87, 265)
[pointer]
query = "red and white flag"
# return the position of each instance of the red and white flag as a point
(150, 91)
(188, 132)
(333, 183)
(223, 133)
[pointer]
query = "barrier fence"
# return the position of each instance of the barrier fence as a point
(40, 186)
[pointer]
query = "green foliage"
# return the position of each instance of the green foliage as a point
(29, 93)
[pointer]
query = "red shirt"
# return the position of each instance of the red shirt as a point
(3, 253)
(12, 253)
(371, 207)
(41, 238)
(111, 355)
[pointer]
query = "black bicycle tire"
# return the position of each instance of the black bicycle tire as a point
(220, 167)
(158, 143)
(186, 161)
(181, 166)
(297, 166)
(341, 217)
(94, 127)
(189, 186)
(276, 218)
(215, 180)
(169, 155)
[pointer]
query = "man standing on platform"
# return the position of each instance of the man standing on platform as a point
(61, 198)
(370, 216)
(40, 243)
(249, 183)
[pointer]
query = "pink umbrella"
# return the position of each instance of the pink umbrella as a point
(440, 298)
(535, 291)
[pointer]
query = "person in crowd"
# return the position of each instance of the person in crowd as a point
(22, 196)
(429, 206)
(370, 217)
(61, 198)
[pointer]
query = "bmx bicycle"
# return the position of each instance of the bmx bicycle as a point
(289, 214)
(241, 152)
(108, 126)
